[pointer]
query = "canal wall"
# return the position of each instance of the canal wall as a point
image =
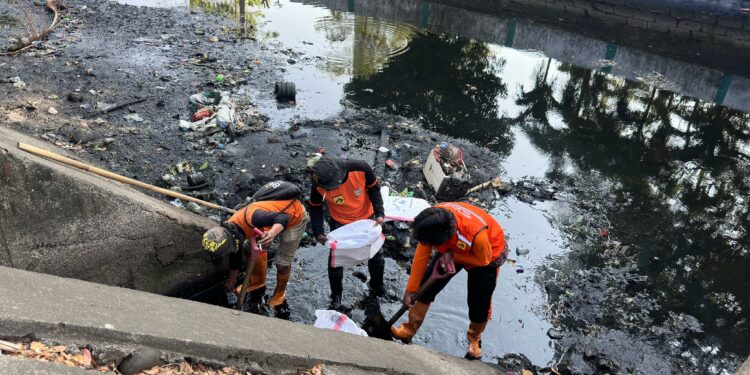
(61, 221)
(121, 321)
(566, 42)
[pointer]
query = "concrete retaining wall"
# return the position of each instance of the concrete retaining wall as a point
(70, 311)
(61, 221)
(745, 369)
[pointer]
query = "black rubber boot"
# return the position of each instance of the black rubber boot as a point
(376, 266)
(256, 301)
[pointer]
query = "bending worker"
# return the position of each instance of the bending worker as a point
(463, 237)
(352, 193)
(286, 219)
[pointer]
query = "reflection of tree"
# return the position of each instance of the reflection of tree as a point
(231, 9)
(368, 43)
(450, 83)
(686, 166)
(539, 100)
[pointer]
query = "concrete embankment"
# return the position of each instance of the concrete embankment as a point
(61, 221)
(745, 369)
(72, 311)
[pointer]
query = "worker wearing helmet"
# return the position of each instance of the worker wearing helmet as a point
(351, 192)
(286, 219)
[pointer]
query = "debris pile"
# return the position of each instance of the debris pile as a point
(71, 357)
(214, 120)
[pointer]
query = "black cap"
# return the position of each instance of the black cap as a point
(329, 172)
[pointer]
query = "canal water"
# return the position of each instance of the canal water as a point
(660, 148)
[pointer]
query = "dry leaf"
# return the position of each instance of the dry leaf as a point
(59, 349)
(86, 357)
(526, 372)
(318, 369)
(59, 360)
(153, 371)
(69, 363)
(37, 346)
(228, 371)
(186, 368)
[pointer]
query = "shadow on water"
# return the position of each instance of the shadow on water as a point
(667, 168)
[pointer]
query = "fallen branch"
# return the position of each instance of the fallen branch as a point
(495, 182)
(54, 6)
(10, 347)
(117, 107)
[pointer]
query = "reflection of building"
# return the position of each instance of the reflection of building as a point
(689, 79)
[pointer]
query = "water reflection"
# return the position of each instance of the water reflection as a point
(443, 80)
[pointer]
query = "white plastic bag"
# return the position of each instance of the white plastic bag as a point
(401, 208)
(331, 319)
(355, 243)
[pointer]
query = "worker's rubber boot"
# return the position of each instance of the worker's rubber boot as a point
(279, 294)
(376, 280)
(407, 330)
(474, 335)
(256, 301)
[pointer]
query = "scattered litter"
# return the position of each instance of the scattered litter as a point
(168, 178)
(520, 251)
(133, 117)
(194, 207)
(383, 149)
(52, 111)
(334, 320)
(445, 172)
(177, 203)
(18, 83)
(554, 334)
(392, 164)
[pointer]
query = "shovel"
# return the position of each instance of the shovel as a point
(376, 325)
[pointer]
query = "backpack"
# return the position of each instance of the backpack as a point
(275, 191)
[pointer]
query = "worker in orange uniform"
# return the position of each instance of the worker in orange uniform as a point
(286, 219)
(352, 193)
(463, 237)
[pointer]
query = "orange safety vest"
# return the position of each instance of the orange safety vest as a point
(349, 202)
(470, 221)
(244, 217)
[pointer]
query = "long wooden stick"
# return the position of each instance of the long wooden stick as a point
(9, 347)
(114, 176)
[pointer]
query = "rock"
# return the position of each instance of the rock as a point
(75, 97)
(520, 251)
(82, 136)
(291, 61)
(140, 361)
(213, 39)
(168, 178)
(554, 334)
(133, 117)
(52, 111)
(176, 189)
(194, 207)
(361, 276)
(254, 368)
(18, 83)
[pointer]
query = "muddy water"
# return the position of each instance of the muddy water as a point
(652, 151)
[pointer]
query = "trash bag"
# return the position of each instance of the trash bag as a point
(334, 320)
(401, 208)
(355, 243)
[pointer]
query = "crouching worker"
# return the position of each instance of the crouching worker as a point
(463, 237)
(352, 193)
(273, 212)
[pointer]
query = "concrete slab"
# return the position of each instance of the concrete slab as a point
(59, 220)
(21, 366)
(745, 369)
(67, 310)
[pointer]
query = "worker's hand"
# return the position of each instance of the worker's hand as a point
(321, 239)
(446, 265)
(229, 285)
(269, 235)
(379, 220)
(409, 299)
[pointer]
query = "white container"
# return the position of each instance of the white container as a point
(355, 243)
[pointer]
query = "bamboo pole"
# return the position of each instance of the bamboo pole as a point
(114, 176)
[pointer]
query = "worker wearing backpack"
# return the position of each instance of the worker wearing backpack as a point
(276, 210)
(352, 193)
